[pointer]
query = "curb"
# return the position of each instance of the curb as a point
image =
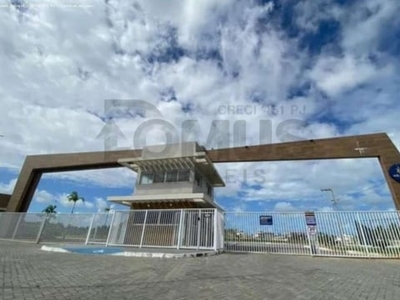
(139, 254)
(54, 249)
(164, 255)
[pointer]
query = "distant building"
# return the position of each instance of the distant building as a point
(347, 239)
(240, 234)
(264, 235)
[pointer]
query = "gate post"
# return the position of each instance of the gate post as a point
(215, 229)
(144, 228)
(41, 229)
(180, 231)
(111, 227)
(16, 227)
(90, 229)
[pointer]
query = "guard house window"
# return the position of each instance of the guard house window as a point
(159, 177)
(209, 190)
(152, 217)
(197, 178)
(138, 217)
(184, 175)
(172, 176)
(146, 178)
(169, 217)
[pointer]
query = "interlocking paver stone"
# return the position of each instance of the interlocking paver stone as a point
(26, 272)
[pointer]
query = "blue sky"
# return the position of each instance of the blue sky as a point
(331, 66)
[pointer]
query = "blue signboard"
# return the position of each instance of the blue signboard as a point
(265, 220)
(394, 172)
(310, 219)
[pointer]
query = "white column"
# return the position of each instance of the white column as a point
(215, 229)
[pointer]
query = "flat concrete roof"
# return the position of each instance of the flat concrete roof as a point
(200, 161)
(199, 198)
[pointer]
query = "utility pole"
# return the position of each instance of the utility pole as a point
(335, 208)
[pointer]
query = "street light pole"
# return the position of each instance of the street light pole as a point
(335, 206)
(334, 200)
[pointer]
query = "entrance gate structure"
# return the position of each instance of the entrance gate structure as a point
(377, 145)
(173, 200)
(182, 169)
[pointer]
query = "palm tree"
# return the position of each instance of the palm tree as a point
(51, 209)
(74, 197)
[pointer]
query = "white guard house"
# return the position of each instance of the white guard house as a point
(173, 202)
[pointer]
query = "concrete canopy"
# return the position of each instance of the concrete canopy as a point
(199, 198)
(377, 145)
(200, 161)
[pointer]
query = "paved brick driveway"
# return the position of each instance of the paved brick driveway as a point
(29, 273)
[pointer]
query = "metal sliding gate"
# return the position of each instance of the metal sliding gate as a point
(181, 229)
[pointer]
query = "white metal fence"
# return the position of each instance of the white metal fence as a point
(342, 234)
(181, 229)
(21, 226)
(350, 234)
(48, 228)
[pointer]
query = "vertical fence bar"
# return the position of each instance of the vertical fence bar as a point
(121, 223)
(198, 229)
(391, 235)
(372, 234)
(310, 243)
(222, 229)
(143, 229)
(206, 229)
(386, 235)
(178, 244)
(174, 231)
(185, 229)
(17, 226)
(215, 230)
(111, 228)
(90, 229)
(41, 229)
